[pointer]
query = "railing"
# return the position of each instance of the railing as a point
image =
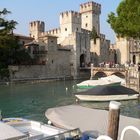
(104, 137)
(109, 69)
(129, 128)
(69, 134)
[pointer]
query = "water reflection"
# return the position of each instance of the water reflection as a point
(32, 100)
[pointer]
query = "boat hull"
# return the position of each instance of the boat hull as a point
(106, 97)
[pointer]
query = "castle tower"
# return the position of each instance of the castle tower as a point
(70, 21)
(90, 14)
(36, 28)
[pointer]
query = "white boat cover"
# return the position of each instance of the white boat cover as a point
(87, 119)
(9, 132)
(114, 78)
(103, 81)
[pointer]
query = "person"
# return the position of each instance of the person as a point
(139, 66)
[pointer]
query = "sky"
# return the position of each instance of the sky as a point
(25, 11)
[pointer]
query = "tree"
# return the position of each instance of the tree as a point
(8, 42)
(93, 34)
(126, 23)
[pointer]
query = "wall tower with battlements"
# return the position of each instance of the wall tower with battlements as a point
(70, 21)
(90, 16)
(36, 28)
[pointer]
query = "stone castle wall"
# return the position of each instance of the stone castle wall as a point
(56, 67)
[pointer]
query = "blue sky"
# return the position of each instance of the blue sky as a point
(24, 11)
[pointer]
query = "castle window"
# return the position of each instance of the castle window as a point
(86, 16)
(77, 29)
(51, 41)
(65, 29)
(86, 25)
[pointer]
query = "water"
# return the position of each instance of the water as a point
(32, 100)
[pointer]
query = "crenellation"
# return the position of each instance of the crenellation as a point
(36, 28)
(70, 13)
(55, 31)
(90, 6)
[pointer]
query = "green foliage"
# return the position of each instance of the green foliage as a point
(127, 21)
(8, 42)
(22, 58)
(93, 34)
(4, 73)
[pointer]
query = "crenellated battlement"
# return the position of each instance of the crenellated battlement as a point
(36, 28)
(70, 13)
(90, 6)
(53, 31)
(37, 24)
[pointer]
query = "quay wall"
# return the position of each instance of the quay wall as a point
(35, 72)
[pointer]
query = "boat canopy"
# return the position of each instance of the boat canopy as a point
(108, 90)
(87, 119)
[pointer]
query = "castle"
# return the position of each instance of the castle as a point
(63, 51)
(70, 45)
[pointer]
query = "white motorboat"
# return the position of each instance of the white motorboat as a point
(107, 93)
(113, 80)
(19, 128)
(92, 121)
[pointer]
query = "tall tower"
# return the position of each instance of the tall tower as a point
(36, 28)
(70, 21)
(90, 14)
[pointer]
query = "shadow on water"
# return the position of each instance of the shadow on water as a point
(32, 100)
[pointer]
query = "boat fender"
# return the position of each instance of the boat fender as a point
(49, 122)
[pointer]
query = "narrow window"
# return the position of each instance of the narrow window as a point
(65, 29)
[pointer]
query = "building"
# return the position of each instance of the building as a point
(128, 50)
(65, 49)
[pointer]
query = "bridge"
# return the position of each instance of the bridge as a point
(103, 71)
(131, 74)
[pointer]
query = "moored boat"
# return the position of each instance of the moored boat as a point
(93, 121)
(19, 128)
(107, 93)
(113, 80)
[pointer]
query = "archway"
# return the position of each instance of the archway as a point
(100, 74)
(115, 58)
(119, 74)
(134, 59)
(82, 60)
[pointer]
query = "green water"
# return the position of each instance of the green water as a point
(32, 100)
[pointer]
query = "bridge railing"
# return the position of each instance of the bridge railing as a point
(109, 69)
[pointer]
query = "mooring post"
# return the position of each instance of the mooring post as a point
(113, 121)
(91, 71)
